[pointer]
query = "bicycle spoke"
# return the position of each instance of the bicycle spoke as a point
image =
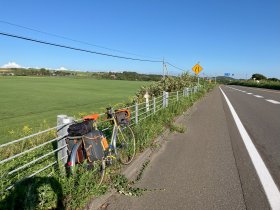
(125, 145)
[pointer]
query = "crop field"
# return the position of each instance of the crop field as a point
(28, 104)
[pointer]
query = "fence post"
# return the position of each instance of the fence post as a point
(154, 104)
(146, 96)
(163, 99)
(62, 131)
(136, 112)
(177, 95)
(166, 98)
(185, 92)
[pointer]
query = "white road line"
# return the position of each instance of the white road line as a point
(269, 186)
(249, 93)
(272, 101)
(258, 96)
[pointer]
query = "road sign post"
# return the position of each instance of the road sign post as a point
(197, 68)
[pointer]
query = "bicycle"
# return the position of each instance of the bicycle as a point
(121, 147)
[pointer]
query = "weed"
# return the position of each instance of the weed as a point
(121, 184)
(144, 166)
(177, 128)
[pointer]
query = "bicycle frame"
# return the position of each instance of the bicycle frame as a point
(113, 142)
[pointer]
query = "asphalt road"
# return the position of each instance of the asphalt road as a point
(260, 114)
(208, 167)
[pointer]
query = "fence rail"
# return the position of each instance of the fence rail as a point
(59, 151)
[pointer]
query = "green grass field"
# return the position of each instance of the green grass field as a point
(29, 101)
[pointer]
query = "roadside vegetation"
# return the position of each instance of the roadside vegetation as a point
(259, 81)
(52, 189)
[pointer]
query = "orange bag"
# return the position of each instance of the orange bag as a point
(104, 143)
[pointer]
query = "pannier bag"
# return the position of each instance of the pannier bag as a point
(93, 145)
(80, 129)
(122, 116)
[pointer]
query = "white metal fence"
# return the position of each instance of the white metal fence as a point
(43, 151)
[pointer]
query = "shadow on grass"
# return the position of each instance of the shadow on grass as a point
(32, 193)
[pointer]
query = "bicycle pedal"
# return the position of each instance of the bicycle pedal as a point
(109, 159)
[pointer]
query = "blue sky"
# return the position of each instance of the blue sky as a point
(240, 37)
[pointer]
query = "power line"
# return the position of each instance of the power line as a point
(77, 49)
(176, 67)
(70, 39)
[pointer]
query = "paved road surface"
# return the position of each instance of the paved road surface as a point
(208, 167)
(259, 111)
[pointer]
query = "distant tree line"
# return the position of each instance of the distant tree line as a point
(35, 72)
(126, 75)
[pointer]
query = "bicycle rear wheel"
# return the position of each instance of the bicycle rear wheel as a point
(77, 159)
(125, 145)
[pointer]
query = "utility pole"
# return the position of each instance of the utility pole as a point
(166, 70)
(163, 68)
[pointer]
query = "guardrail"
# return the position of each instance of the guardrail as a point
(43, 151)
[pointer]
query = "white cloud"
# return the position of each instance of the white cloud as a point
(11, 65)
(62, 68)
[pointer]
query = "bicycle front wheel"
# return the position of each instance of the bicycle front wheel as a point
(77, 163)
(125, 145)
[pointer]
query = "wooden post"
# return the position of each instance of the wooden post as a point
(62, 131)
(187, 92)
(166, 98)
(163, 100)
(177, 95)
(154, 104)
(146, 96)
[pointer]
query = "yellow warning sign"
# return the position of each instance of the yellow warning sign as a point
(197, 68)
